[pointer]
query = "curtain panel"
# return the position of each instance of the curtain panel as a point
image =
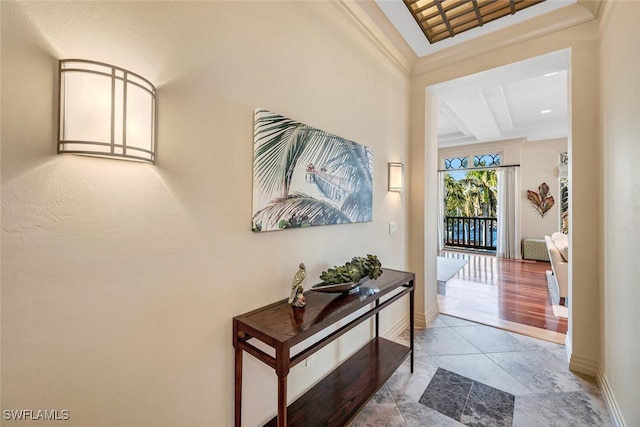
(508, 213)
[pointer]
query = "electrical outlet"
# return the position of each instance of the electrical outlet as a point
(308, 360)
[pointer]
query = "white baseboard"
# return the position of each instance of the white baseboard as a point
(397, 328)
(609, 399)
(421, 320)
(431, 314)
(587, 365)
(584, 365)
(424, 319)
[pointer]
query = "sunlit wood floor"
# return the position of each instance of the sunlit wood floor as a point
(507, 294)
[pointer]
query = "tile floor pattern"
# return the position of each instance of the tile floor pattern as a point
(495, 369)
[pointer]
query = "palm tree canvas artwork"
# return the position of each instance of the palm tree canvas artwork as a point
(303, 176)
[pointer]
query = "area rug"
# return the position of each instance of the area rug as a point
(448, 267)
(558, 310)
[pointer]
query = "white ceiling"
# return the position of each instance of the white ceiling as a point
(506, 103)
(499, 104)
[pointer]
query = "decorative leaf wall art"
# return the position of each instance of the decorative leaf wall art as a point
(541, 200)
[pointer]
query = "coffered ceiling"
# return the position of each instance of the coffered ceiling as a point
(527, 99)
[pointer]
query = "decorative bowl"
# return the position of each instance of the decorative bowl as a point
(340, 287)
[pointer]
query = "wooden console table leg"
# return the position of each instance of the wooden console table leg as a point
(282, 401)
(238, 389)
(283, 364)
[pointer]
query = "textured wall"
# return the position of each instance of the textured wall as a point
(119, 279)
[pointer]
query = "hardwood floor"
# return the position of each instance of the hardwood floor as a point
(507, 294)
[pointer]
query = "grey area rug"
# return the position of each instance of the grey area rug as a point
(448, 267)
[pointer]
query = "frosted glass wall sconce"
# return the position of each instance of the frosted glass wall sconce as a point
(396, 177)
(106, 111)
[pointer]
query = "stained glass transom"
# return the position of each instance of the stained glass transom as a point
(486, 160)
(456, 163)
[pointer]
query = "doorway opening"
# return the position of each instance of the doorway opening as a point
(507, 111)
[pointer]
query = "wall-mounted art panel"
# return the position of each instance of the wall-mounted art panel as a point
(303, 176)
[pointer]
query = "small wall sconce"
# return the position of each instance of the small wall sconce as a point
(396, 177)
(106, 111)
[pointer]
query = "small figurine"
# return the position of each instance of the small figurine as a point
(296, 298)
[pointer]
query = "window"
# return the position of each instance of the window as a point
(564, 192)
(456, 163)
(486, 160)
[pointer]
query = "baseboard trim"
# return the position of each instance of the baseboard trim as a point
(583, 364)
(431, 314)
(398, 328)
(420, 320)
(609, 399)
(424, 319)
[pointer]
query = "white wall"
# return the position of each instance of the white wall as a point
(538, 162)
(120, 280)
(620, 108)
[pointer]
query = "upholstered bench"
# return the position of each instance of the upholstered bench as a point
(535, 249)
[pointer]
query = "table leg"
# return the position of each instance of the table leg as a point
(238, 389)
(282, 401)
(377, 320)
(411, 322)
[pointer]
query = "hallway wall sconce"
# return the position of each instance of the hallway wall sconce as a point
(396, 177)
(106, 111)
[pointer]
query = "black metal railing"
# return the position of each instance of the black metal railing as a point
(471, 232)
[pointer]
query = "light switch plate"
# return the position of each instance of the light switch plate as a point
(393, 227)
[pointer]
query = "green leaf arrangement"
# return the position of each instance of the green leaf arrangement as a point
(353, 271)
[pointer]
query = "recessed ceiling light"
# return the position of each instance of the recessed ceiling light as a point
(551, 74)
(545, 111)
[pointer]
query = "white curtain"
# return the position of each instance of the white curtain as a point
(441, 176)
(509, 213)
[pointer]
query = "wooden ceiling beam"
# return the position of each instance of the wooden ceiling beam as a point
(469, 14)
(478, 15)
(444, 17)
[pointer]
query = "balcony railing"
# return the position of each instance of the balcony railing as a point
(471, 232)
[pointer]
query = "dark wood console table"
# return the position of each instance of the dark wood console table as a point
(339, 396)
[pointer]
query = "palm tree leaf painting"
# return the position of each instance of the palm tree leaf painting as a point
(303, 176)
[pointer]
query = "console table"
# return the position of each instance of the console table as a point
(339, 396)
